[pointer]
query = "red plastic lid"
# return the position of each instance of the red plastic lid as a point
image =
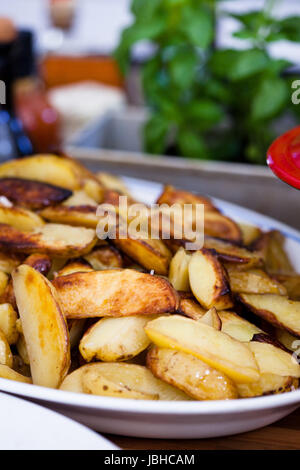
(283, 157)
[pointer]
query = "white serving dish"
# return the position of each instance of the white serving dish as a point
(181, 420)
(26, 426)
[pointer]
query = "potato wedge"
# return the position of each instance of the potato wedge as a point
(94, 189)
(250, 233)
(255, 281)
(6, 357)
(132, 376)
(272, 360)
(213, 347)
(212, 319)
(118, 292)
(75, 266)
(209, 281)
(45, 168)
(31, 194)
(79, 198)
(113, 182)
(179, 270)
(3, 282)
(171, 195)
(190, 374)
(276, 309)
(9, 261)
(8, 323)
(53, 239)
(104, 257)
(94, 382)
(190, 308)
(271, 248)
(268, 384)
(291, 283)
(232, 253)
(115, 339)
(8, 373)
(149, 253)
(44, 326)
(220, 226)
(20, 218)
(237, 327)
(83, 216)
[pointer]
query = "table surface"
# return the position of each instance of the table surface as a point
(283, 435)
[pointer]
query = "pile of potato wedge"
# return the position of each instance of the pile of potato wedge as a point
(133, 317)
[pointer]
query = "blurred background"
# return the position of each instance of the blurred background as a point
(207, 81)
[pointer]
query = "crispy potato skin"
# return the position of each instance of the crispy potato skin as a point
(190, 374)
(190, 308)
(268, 384)
(32, 194)
(114, 293)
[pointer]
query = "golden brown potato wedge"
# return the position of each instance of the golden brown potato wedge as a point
(220, 226)
(104, 257)
(20, 218)
(113, 182)
(44, 326)
(250, 233)
(9, 261)
(215, 348)
(237, 327)
(3, 282)
(209, 280)
(6, 357)
(212, 319)
(232, 253)
(8, 323)
(190, 308)
(32, 194)
(10, 374)
(291, 282)
(171, 195)
(254, 281)
(93, 189)
(118, 292)
(268, 384)
(83, 216)
(272, 360)
(179, 270)
(53, 239)
(190, 374)
(150, 253)
(275, 309)
(96, 383)
(271, 248)
(115, 339)
(79, 198)
(45, 168)
(75, 266)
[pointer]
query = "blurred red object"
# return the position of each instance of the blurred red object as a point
(283, 157)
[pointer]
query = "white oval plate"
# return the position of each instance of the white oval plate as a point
(26, 426)
(184, 420)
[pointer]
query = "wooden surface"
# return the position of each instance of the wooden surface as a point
(283, 435)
